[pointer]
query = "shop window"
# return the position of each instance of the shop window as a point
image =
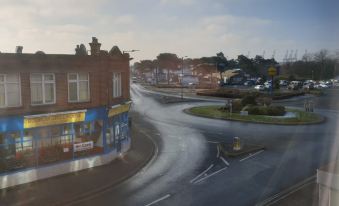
(66, 137)
(117, 132)
(78, 87)
(44, 137)
(42, 89)
(117, 85)
(26, 143)
(10, 94)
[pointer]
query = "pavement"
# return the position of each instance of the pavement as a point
(69, 188)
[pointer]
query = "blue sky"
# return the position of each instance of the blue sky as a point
(191, 28)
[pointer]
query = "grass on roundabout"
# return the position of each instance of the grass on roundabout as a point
(214, 112)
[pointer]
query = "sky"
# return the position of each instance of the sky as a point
(192, 28)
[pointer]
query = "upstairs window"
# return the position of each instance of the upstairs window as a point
(117, 85)
(78, 87)
(42, 89)
(10, 92)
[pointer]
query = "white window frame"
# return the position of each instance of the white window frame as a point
(43, 82)
(117, 91)
(78, 87)
(5, 86)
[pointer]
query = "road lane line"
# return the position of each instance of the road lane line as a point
(210, 175)
(218, 153)
(212, 142)
(226, 163)
(251, 155)
(158, 200)
(202, 173)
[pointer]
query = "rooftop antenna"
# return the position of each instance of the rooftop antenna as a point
(248, 54)
(263, 54)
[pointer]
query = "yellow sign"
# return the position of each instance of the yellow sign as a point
(120, 109)
(53, 119)
(272, 71)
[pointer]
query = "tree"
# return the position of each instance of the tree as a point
(169, 62)
(221, 63)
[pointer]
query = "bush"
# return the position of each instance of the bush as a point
(275, 110)
(263, 110)
(253, 110)
(264, 101)
(248, 100)
(236, 105)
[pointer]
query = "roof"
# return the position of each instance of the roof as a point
(231, 73)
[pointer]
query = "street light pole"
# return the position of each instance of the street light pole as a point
(182, 77)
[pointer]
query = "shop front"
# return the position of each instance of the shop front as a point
(37, 140)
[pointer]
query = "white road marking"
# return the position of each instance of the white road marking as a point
(212, 142)
(251, 155)
(158, 200)
(202, 173)
(218, 153)
(226, 163)
(210, 175)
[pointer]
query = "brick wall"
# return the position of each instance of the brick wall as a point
(100, 71)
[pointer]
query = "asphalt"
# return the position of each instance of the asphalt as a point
(70, 188)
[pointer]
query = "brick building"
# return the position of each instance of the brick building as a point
(56, 107)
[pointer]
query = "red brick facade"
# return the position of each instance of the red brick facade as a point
(99, 67)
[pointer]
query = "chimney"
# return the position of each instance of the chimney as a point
(18, 49)
(95, 46)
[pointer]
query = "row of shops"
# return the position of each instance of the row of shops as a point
(36, 140)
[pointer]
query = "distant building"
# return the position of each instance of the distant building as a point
(234, 76)
(207, 74)
(59, 109)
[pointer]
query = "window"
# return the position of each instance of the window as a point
(42, 89)
(116, 85)
(78, 87)
(26, 143)
(10, 91)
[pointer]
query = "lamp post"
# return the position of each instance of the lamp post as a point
(182, 77)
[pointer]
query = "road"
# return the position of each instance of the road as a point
(188, 170)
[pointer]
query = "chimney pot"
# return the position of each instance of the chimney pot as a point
(19, 49)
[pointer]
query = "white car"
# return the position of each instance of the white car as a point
(260, 87)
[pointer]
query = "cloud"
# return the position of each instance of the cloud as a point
(185, 27)
(178, 2)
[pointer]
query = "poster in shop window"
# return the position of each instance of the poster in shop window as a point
(83, 146)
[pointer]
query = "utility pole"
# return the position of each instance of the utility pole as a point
(182, 77)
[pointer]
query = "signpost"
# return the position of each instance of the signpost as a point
(272, 71)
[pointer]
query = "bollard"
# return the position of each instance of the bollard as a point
(236, 144)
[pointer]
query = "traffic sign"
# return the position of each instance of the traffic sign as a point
(272, 71)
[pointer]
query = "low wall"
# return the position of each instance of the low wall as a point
(34, 174)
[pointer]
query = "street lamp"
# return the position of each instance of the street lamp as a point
(182, 77)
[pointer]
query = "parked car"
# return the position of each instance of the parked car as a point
(260, 87)
(283, 83)
(321, 86)
(249, 83)
(308, 86)
(294, 85)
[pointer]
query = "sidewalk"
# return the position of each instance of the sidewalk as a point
(67, 188)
